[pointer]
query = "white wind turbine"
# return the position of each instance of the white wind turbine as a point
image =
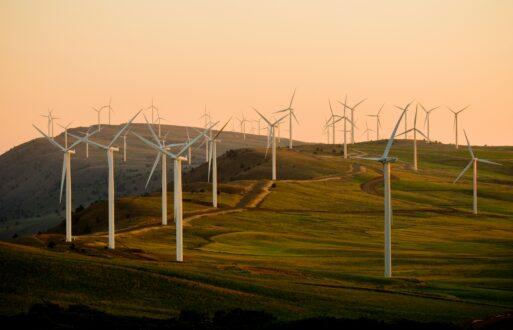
(208, 120)
(86, 142)
(291, 114)
(367, 131)
(351, 122)
(159, 119)
(378, 121)
(326, 130)
(332, 121)
(473, 161)
(98, 113)
(426, 121)
(66, 175)
(386, 160)
(153, 108)
(177, 169)
(243, 122)
(353, 109)
(271, 136)
(212, 162)
(415, 130)
(110, 158)
(456, 113)
(109, 109)
(51, 119)
(65, 127)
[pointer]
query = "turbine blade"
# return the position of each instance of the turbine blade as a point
(49, 139)
(391, 139)
(424, 135)
(468, 145)
(190, 143)
(157, 160)
(81, 139)
(488, 162)
(124, 128)
(222, 128)
(62, 176)
(96, 144)
(292, 98)
(154, 146)
(464, 170)
(267, 121)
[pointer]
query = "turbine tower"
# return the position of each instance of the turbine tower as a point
(291, 114)
(351, 122)
(110, 149)
(153, 108)
(426, 121)
(212, 162)
(456, 113)
(66, 175)
(177, 169)
(473, 161)
(378, 121)
(386, 160)
(271, 138)
(415, 130)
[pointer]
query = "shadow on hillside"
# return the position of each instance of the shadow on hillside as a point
(52, 316)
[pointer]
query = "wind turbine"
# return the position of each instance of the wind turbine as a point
(291, 114)
(153, 108)
(473, 161)
(66, 175)
(345, 119)
(208, 119)
(271, 136)
(65, 133)
(378, 121)
(242, 122)
(110, 158)
(333, 120)
(109, 108)
(51, 119)
(367, 131)
(456, 113)
(426, 121)
(98, 112)
(386, 160)
(353, 109)
(159, 118)
(212, 162)
(177, 169)
(415, 130)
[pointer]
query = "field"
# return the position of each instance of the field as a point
(309, 245)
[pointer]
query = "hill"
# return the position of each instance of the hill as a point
(310, 245)
(31, 173)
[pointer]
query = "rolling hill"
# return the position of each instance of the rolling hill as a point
(30, 174)
(309, 245)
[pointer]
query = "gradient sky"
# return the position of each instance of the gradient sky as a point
(231, 55)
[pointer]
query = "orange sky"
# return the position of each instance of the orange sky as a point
(231, 55)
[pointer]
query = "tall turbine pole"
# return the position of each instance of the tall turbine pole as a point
(456, 131)
(474, 184)
(415, 149)
(274, 152)
(124, 148)
(67, 155)
(178, 207)
(110, 156)
(164, 190)
(388, 220)
(290, 131)
(214, 173)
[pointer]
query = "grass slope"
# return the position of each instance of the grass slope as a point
(313, 246)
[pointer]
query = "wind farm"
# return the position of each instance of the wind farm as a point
(316, 177)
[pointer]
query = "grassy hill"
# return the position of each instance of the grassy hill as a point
(34, 169)
(310, 245)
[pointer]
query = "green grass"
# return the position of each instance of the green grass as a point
(311, 248)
